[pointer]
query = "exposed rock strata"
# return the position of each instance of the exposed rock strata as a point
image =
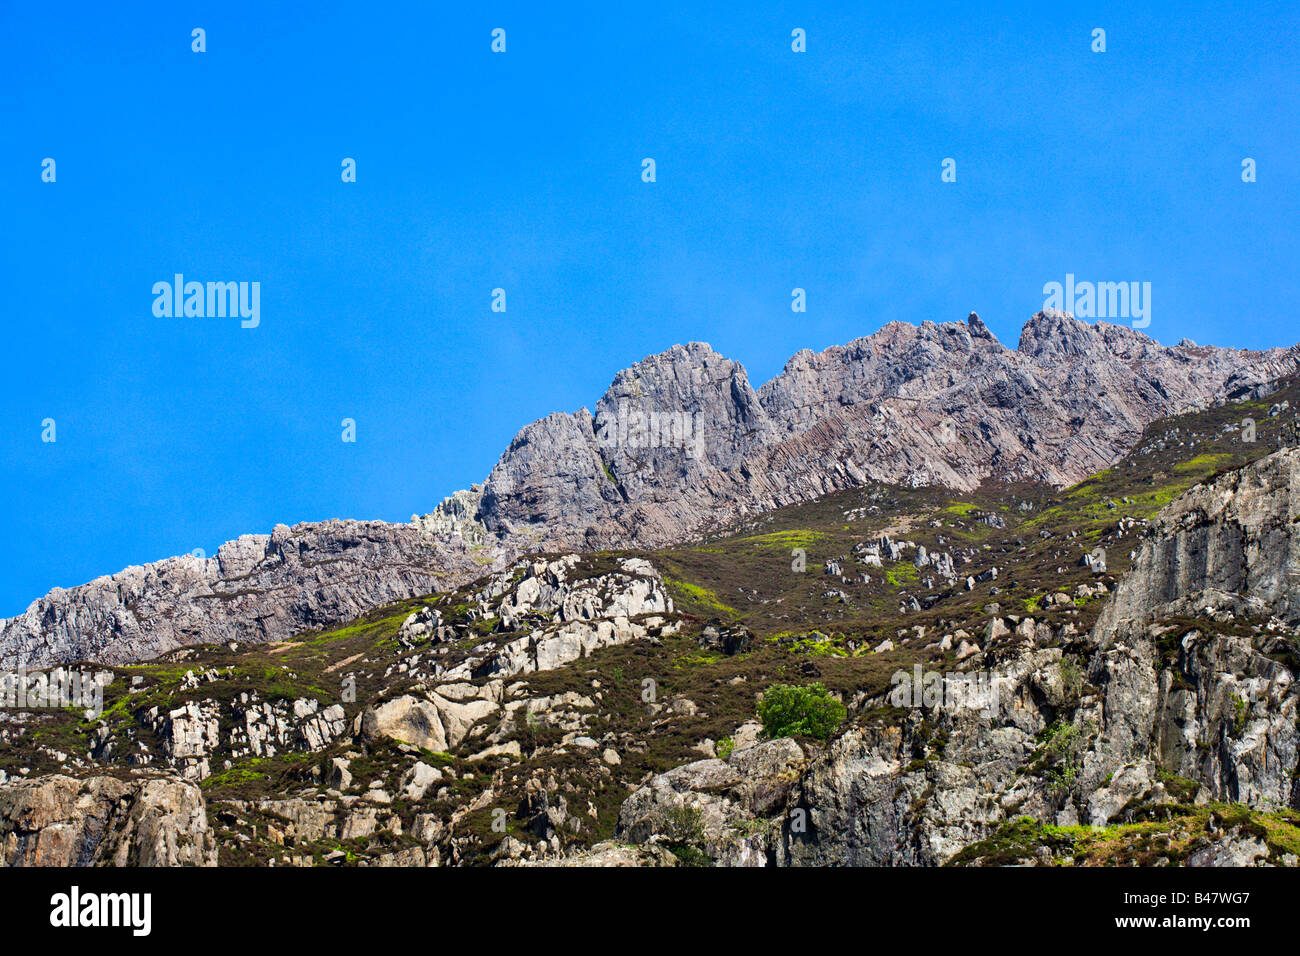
(256, 588)
(62, 821)
(681, 442)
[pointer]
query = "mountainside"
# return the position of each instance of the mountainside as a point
(680, 445)
(1114, 665)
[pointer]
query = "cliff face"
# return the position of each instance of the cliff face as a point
(103, 821)
(1230, 545)
(679, 445)
(257, 588)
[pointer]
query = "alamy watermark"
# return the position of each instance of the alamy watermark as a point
(133, 911)
(181, 299)
(60, 688)
(950, 691)
(1101, 300)
(639, 430)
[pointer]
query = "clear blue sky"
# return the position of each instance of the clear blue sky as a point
(522, 170)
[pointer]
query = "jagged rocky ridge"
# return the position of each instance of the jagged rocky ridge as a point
(680, 444)
(256, 588)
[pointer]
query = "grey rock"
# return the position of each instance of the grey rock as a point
(1227, 544)
(1065, 404)
(62, 821)
(406, 719)
(257, 588)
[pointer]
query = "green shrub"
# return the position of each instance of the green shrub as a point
(810, 711)
(683, 828)
(1240, 715)
(725, 746)
(1071, 677)
(1064, 745)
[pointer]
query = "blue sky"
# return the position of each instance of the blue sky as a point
(523, 171)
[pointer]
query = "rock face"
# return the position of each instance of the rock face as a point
(1228, 545)
(256, 588)
(723, 806)
(192, 734)
(680, 444)
(63, 821)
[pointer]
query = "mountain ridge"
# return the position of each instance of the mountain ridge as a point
(1068, 401)
(611, 704)
(679, 445)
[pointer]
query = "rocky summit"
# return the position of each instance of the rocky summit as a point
(931, 405)
(919, 600)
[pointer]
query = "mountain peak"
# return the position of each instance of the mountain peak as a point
(977, 327)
